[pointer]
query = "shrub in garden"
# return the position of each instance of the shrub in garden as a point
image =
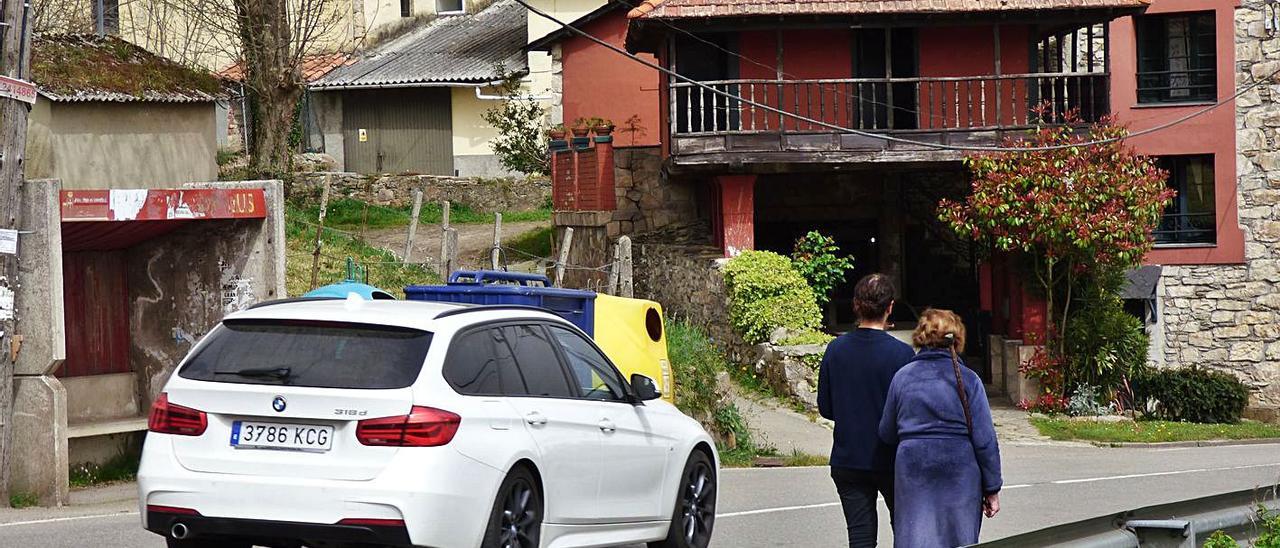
(1104, 344)
(1191, 394)
(765, 293)
(816, 257)
(1085, 402)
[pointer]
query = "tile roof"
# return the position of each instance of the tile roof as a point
(74, 68)
(682, 9)
(314, 67)
(472, 48)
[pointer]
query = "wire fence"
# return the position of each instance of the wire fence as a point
(504, 255)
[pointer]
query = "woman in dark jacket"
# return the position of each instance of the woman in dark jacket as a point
(947, 472)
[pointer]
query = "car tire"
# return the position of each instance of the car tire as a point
(516, 519)
(694, 516)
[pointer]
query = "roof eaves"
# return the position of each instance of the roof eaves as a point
(643, 8)
(544, 43)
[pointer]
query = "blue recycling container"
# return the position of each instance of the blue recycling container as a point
(495, 287)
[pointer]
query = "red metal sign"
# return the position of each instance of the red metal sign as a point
(163, 204)
(17, 89)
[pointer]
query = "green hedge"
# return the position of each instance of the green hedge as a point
(765, 293)
(1191, 394)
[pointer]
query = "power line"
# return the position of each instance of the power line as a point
(880, 136)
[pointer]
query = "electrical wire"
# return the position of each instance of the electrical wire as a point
(883, 137)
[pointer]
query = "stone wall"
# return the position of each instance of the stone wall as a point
(689, 284)
(484, 195)
(646, 199)
(1228, 316)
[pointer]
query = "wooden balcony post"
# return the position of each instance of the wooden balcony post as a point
(737, 212)
(995, 37)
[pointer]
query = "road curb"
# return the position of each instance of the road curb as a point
(1183, 444)
(103, 494)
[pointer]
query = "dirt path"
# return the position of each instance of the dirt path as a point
(474, 241)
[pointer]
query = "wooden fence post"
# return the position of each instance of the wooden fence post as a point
(626, 287)
(612, 287)
(315, 255)
(564, 256)
(443, 267)
(413, 225)
(494, 254)
(448, 253)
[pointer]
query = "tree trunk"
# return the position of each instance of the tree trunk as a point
(272, 80)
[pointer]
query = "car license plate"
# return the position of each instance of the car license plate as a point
(273, 435)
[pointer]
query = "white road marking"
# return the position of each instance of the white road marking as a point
(72, 518)
(1017, 486)
(778, 509)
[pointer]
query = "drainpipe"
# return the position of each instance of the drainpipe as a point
(484, 97)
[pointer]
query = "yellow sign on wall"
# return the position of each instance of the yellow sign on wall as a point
(364, 135)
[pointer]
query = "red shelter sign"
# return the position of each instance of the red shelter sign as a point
(162, 204)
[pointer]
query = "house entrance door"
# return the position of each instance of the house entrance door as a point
(875, 53)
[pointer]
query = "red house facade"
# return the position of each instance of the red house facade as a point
(851, 117)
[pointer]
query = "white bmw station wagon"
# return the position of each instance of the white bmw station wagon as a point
(394, 423)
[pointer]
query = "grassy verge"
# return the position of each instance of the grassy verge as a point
(536, 242)
(1151, 431)
(748, 457)
(119, 468)
(346, 213)
(385, 270)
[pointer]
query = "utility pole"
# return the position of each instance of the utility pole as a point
(16, 96)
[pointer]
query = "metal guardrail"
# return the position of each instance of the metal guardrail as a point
(1183, 524)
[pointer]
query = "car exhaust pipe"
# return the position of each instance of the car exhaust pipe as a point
(179, 531)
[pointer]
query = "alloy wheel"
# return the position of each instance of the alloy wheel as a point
(519, 517)
(698, 506)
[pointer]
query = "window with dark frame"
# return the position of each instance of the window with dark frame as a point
(449, 6)
(1190, 218)
(1177, 61)
(406, 8)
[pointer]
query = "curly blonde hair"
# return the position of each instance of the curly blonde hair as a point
(939, 328)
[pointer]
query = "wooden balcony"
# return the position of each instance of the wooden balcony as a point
(711, 130)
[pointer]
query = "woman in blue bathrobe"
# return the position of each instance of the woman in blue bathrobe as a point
(947, 473)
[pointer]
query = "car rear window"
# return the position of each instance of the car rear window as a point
(310, 353)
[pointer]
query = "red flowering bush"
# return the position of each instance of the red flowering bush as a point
(1075, 203)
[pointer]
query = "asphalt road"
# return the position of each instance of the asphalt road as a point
(1044, 485)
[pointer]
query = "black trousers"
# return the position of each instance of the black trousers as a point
(857, 489)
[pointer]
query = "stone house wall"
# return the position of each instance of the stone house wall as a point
(480, 194)
(1228, 316)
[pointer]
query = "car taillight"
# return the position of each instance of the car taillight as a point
(169, 418)
(172, 510)
(422, 427)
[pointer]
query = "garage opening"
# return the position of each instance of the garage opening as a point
(887, 219)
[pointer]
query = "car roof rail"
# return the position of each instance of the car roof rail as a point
(289, 300)
(492, 307)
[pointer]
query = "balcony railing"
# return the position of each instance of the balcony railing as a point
(917, 104)
(1186, 228)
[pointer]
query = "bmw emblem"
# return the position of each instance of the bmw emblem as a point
(278, 404)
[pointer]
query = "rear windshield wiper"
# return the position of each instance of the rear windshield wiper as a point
(261, 372)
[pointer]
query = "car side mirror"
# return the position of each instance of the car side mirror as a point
(644, 387)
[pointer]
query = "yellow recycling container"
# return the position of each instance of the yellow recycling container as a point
(632, 334)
